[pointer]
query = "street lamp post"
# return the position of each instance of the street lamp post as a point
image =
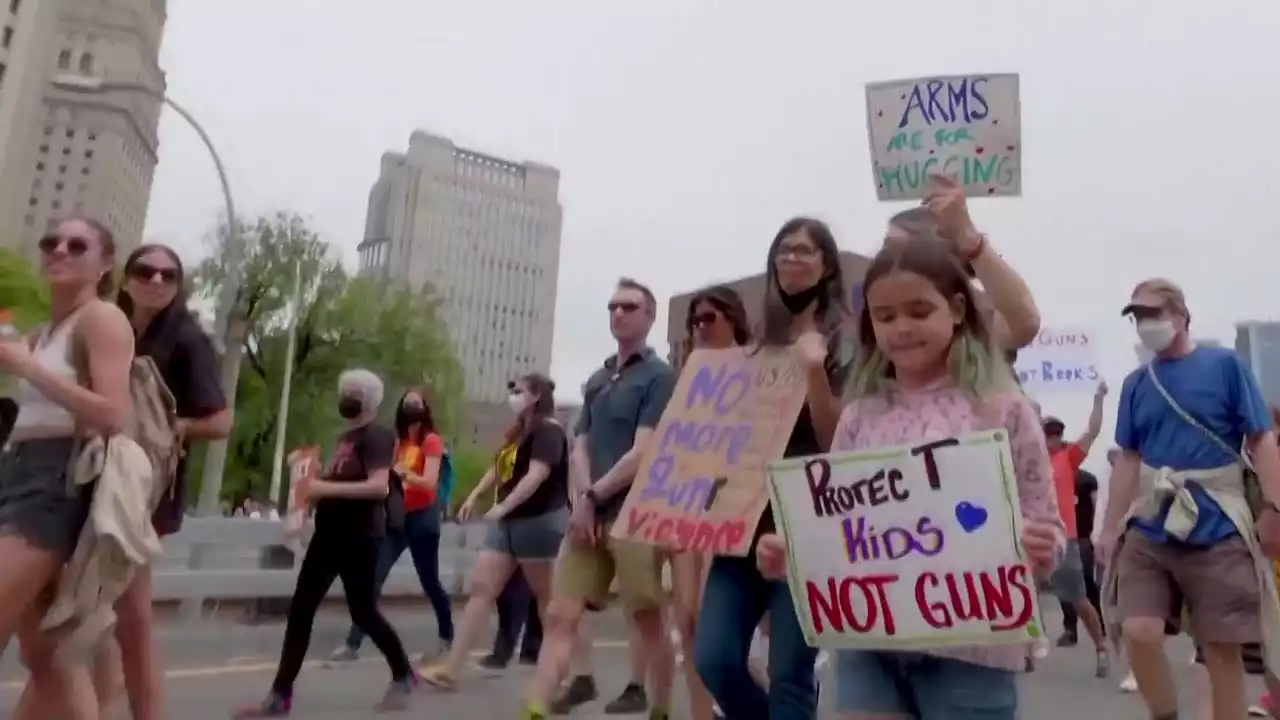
(229, 327)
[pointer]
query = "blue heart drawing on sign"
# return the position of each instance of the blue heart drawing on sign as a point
(970, 516)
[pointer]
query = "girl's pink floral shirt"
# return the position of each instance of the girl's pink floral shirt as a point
(919, 417)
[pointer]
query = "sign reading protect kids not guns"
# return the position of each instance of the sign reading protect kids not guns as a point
(701, 483)
(965, 126)
(911, 547)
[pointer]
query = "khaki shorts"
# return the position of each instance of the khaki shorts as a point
(587, 572)
(1218, 585)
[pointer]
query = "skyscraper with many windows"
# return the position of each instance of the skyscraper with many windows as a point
(27, 31)
(484, 232)
(95, 151)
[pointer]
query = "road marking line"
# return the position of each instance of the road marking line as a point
(233, 668)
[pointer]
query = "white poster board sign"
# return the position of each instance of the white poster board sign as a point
(967, 126)
(909, 547)
(1059, 360)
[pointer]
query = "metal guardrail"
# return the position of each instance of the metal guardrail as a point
(232, 568)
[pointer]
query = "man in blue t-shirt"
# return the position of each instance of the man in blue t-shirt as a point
(1210, 566)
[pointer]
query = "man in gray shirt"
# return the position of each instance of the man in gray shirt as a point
(622, 404)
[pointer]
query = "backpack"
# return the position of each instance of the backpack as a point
(153, 419)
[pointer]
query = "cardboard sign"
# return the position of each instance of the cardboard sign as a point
(701, 484)
(1059, 360)
(905, 548)
(967, 126)
(304, 465)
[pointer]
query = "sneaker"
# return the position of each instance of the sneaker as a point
(440, 650)
(1066, 640)
(532, 712)
(1129, 684)
(580, 691)
(1042, 648)
(1103, 667)
(398, 695)
(1265, 708)
(492, 665)
(274, 706)
(632, 700)
(440, 678)
(344, 654)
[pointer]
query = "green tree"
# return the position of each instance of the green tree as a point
(342, 322)
(21, 290)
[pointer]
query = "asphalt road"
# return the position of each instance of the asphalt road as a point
(216, 665)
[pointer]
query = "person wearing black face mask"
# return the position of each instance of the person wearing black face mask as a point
(350, 519)
(421, 475)
(804, 309)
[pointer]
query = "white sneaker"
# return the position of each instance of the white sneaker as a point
(1129, 684)
(1042, 648)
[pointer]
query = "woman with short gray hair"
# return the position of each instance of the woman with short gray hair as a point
(350, 503)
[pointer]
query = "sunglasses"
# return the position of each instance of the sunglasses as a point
(76, 246)
(147, 273)
(1143, 312)
(702, 320)
(625, 307)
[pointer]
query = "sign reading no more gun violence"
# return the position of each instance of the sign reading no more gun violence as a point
(966, 126)
(909, 547)
(701, 483)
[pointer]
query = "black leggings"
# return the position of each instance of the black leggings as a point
(353, 559)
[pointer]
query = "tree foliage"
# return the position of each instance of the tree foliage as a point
(343, 322)
(21, 290)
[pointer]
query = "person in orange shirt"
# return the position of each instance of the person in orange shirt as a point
(1068, 580)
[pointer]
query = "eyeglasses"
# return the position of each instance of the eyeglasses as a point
(797, 252)
(147, 273)
(625, 307)
(76, 246)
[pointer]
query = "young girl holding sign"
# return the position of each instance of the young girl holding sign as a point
(927, 370)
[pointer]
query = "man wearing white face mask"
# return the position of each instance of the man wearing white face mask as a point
(1179, 522)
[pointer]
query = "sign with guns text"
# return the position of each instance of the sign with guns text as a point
(907, 547)
(701, 483)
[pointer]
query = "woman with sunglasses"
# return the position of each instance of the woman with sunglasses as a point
(155, 302)
(716, 319)
(41, 516)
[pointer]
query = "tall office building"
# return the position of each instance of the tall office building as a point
(27, 31)
(96, 152)
(484, 232)
(1258, 342)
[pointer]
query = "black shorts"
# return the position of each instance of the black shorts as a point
(37, 501)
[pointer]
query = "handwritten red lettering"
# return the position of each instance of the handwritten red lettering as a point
(976, 596)
(682, 533)
(837, 604)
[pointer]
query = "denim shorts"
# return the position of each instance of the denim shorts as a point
(922, 686)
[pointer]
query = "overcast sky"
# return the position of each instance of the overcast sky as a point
(687, 131)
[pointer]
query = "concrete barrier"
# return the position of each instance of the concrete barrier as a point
(230, 565)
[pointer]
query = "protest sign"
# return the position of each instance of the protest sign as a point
(1060, 359)
(967, 126)
(304, 465)
(910, 547)
(701, 483)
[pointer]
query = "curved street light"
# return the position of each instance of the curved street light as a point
(216, 456)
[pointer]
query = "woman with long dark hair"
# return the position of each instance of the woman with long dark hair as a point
(73, 381)
(528, 522)
(153, 299)
(420, 454)
(714, 320)
(804, 307)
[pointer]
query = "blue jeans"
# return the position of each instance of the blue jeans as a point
(421, 537)
(923, 686)
(735, 599)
